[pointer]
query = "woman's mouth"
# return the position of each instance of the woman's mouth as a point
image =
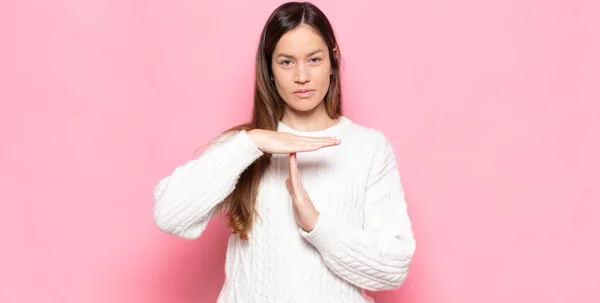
(304, 93)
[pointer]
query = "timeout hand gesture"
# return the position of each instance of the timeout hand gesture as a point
(274, 142)
(305, 213)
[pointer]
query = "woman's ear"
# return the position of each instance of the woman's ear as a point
(336, 54)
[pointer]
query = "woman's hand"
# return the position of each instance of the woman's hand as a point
(305, 213)
(274, 142)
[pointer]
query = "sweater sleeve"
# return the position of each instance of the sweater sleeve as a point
(185, 201)
(378, 255)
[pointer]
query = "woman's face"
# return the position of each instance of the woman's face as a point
(301, 68)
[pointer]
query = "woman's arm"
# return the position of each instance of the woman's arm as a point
(377, 256)
(185, 201)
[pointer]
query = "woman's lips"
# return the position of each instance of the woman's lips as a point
(304, 93)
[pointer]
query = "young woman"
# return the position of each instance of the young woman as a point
(314, 200)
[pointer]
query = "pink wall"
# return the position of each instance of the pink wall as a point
(493, 107)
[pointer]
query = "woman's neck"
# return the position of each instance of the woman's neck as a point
(317, 120)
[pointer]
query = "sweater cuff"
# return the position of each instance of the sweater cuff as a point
(238, 152)
(324, 235)
(246, 145)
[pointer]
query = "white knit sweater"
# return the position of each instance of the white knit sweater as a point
(363, 238)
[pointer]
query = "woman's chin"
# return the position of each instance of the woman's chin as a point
(304, 105)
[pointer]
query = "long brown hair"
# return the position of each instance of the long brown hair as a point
(269, 106)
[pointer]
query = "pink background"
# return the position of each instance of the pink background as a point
(493, 108)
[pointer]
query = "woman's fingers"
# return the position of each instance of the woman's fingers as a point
(293, 166)
(294, 176)
(288, 185)
(312, 143)
(310, 147)
(284, 143)
(318, 140)
(289, 182)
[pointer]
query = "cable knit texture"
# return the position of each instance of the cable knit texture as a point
(363, 238)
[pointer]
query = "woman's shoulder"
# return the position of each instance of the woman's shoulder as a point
(368, 136)
(374, 145)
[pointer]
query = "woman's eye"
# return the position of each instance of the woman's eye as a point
(286, 62)
(315, 60)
